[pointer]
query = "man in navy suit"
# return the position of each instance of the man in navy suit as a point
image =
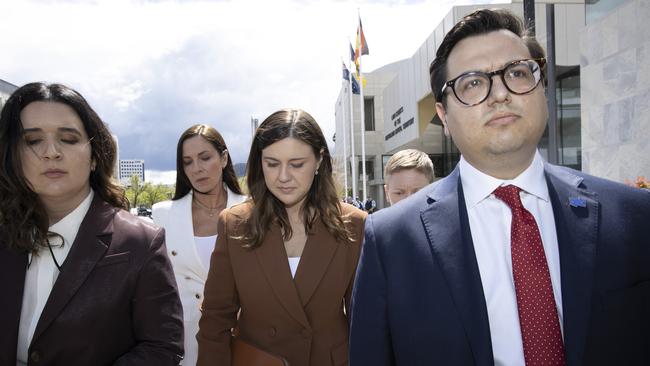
(509, 260)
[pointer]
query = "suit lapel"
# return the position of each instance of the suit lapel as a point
(184, 235)
(275, 265)
(447, 228)
(89, 246)
(316, 257)
(576, 212)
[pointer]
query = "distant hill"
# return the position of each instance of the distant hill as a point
(240, 169)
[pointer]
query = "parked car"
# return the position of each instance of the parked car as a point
(143, 211)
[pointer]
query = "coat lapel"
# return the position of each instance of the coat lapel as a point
(275, 265)
(89, 246)
(316, 257)
(447, 228)
(183, 234)
(576, 212)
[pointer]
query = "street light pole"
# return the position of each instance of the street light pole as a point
(551, 87)
(254, 124)
(529, 15)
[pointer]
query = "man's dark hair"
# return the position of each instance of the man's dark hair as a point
(479, 22)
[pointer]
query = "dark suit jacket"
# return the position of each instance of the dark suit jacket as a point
(418, 298)
(301, 319)
(114, 303)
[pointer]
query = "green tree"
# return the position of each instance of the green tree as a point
(243, 185)
(155, 193)
(134, 191)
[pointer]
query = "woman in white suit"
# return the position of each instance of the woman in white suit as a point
(205, 184)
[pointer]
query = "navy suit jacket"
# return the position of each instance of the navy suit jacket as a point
(418, 298)
(114, 302)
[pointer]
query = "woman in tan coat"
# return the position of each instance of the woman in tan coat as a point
(284, 260)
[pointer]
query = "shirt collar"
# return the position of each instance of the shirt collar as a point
(477, 185)
(68, 226)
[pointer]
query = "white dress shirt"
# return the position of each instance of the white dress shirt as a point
(489, 221)
(42, 274)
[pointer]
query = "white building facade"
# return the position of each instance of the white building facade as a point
(405, 115)
(615, 79)
(129, 168)
(6, 89)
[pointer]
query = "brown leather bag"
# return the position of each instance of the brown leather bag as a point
(246, 354)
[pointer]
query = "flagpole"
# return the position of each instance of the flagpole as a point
(345, 155)
(363, 134)
(353, 162)
(363, 120)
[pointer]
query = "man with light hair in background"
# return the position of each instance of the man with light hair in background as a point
(406, 172)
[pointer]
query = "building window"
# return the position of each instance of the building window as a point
(569, 144)
(598, 9)
(369, 113)
(568, 120)
(384, 161)
(450, 157)
(370, 170)
(438, 161)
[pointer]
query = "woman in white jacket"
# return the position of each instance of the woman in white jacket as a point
(205, 184)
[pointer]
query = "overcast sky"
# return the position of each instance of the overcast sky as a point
(151, 69)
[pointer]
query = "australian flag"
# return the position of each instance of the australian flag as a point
(355, 83)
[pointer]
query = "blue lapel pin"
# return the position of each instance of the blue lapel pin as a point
(577, 202)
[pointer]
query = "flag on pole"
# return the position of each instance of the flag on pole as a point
(346, 76)
(352, 53)
(361, 49)
(361, 45)
(361, 40)
(355, 85)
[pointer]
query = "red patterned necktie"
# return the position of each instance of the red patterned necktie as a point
(538, 319)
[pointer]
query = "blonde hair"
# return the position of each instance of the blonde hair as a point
(410, 159)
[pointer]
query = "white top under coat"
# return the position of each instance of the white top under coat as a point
(42, 274)
(489, 221)
(293, 265)
(204, 248)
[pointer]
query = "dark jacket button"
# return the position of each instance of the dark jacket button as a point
(35, 356)
(174, 252)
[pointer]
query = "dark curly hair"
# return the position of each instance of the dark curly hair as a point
(23, 220)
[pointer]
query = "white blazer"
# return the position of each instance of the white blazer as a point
(190, 272)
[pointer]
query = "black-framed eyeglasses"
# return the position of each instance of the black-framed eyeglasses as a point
(519, 77)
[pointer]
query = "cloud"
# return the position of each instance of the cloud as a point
(160, 177)
(151, 69)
